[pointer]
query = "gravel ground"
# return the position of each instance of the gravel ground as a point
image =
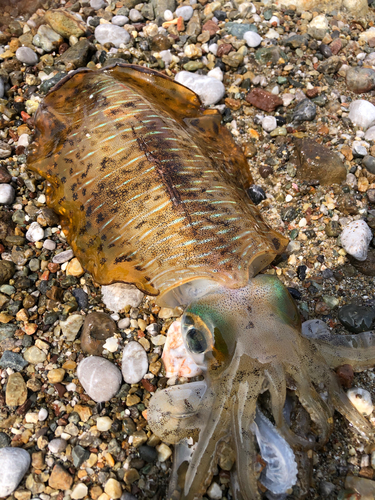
(302, 76)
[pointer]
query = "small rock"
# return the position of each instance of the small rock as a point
(361, 399)
(12, 360)
(357, 319)
(176, 359)
(97, 328)
(113, 488)
(360, 80)
(356, 238)
(79, 455)
(304, 111)
(34, 355)
(14, 463)
(164, 452)
(77, 55)
(134, 362)
(345, 374)
(99, 377)
(362, 113)
(16, 390)
(65, 23)
(7, 194)
(74, 267)
(35, 232)
(130, 476)
(71, 327)
(47, 38)
(57, 445)
(119, 295)
(110, 33)
(264, 100)
(252, 39)
(62, 257)
(358, 149)
(103, 424)
(186, 12)
(60, 479)
(119, 20)
(56, 375)
(210, 90)
(80, 490)
(7, 269)
(27, 56)
(269, 123)
(135, 16)
(97, 4)
(214, 491)
(256, 194)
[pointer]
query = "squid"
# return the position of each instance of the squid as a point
(151, 190)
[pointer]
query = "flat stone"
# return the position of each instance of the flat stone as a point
(12, 360)
(110, 33)
(119, 295)
(62, 257)
(65, 23)
(97, 328)
(360, 80)
(100, 378)
(264, 100)
(34, 355)
(60, 479)
(14, 463)
(27, 56)
(317, 162)
(71, 326)
(16, 390)
(77, 55)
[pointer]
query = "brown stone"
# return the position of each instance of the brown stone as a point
(211, 27)
(371, 42)
(5, 176)
(60, 479)
(97, 328)
(366, 267)
(16, 391)
(65, 23)
(312, 92)
(148, 386)
(317, 162)
(336, 46)
(265, 171)
(264, 100)
(347, 152)
(345, 374)
(224, 49)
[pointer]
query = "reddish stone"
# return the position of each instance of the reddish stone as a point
(211, 27)
(371, 42)
(25, 116)
(148, 386)
(53, 267)
(5, 176)
(264, 100)
(336, 46)
(345, 374)
(180, 24)
(312, 92)
(63, 48)
(224, 49)
(61, 389)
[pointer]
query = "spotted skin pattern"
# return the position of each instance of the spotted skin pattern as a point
(149, 186)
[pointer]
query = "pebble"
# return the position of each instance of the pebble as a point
(214, 491)
(111, 344)
(252, 39)
(16, 391)
(103, 424)
(60, 479)
(99, 377)
(369, 163)
(305, 110)
(134, 362)
(113, 488)
(97, 328)
(7, 194)
(269, 123)
(360, 80)
(110, 33)
(210, 90)
(119, 20)
(186, 12)
(62, 257)
(357, 319)
(361, 400)
(362, 114)
(57, 445)
(71, 327)
(80, 490)
(13, 360)
(177, 362)
(119, 295)
(26, 56)
(14, 463)
(355, 239)
(35, 232)
(135, 16)
(256, 194)
(98, 4)
(34, 355)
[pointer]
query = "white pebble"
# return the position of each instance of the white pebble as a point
(57, 445)
(252, 39)
(134, 362)
(370, 134)
(110, 33)
(269, 123)
(119, 295)
(23, 140)
(62, 257)
(361, 399)
(186, 12)
(166, 56)
(35, 232)
(103, 423)
(214, 492)
(274, 19)
(213, 48)
(119, 20)
(97, 4)
(355, 239)
(168, 15)
(135, 16)
(49, 245)
(288, 198)
(43, 414)
(80, 491)
(14, 463)
(7, 194)
(100, 378)
(216, 73)
(26, 56)
(111, 344)
(123, 323)
(210, 90)
(362, 113)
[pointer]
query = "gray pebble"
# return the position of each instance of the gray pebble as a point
(57, 445)
(7, 194)
(97, 4)
(14, 463)
(13, 360)
(369, 163)
(119, 20)
(62, 257)
(135, 15)
(26, 56)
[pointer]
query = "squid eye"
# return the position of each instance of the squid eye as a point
(196, 341)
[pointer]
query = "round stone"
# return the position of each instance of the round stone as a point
(34, 355)
(119, 295)
(110, 33)
(97, 4)
(134, 362)
(97, 328)
(269, 123)
(103, 424)
(79, 491)
(7, 194)
(14, 463)
(252, 39)
(135, 16)
(355, 239)
(362, 113)
(119, 20)
(186, 12)
(256, 194)
(26, 56)
(99, 377)
(57, 445)
(209, 89)
(35, 232)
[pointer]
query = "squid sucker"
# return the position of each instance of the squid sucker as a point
(151, 190)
